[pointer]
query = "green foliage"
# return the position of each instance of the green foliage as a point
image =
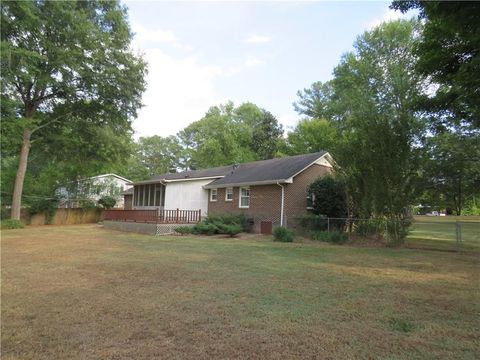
(159, 155)
(11, 224)
(47, 205)
(452, 170)
(312, 135)
(448, 52)
(282, 234)
(4, 213)
(204, 228)
(107, 202)
(372, 103)
(228, 219)
(329, 197)
(184, 230)
(334, 237)
(230, 224)
(231, 230)
(397, 229)
(228, 135)
(68, 97)
(471, 208)
(310, 221)
(369, 227)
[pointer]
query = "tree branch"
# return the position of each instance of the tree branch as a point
(50, 122)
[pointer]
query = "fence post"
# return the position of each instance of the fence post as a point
(458, 234)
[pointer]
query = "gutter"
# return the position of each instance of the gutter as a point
(250, 183)
(283, 202)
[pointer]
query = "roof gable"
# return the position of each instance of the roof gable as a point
(257, 172)
(268, 171)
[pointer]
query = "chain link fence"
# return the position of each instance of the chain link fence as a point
(436, 233)
(445, 234)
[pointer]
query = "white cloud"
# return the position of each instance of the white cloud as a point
(289, 120)
(179, 91)
(143, 34)
(252, 61)
(389, 15)
(257, 39)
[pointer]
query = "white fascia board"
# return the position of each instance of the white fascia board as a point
(327, 156)
(114, 175)
(193, 179)
(164, 182)
(251, 183)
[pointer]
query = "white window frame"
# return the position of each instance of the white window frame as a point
(213, 191)
(312, 199)
(226, 192)
(240, 197)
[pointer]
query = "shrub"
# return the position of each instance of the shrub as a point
(228, 219)
(12, 224)
(231, 230)
(329, 197)
(311, 221)
(283, 234)
(337, 237)
(107, 202)
(370, 227)
(204, 228)
(334, 237)
(397, 230)
(5, 213)
(48, 206)
(184, 230)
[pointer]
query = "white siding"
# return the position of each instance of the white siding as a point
(187, 195)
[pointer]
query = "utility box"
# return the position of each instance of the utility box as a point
(266, 227)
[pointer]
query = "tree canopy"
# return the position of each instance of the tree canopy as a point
(67, 73)
(449, 54)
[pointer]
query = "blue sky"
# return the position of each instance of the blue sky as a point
(202, 54)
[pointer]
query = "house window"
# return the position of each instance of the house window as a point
(310, 200)
(149, 195)
(244, 201)
(157, 194)
(213, 195)
(228, 194)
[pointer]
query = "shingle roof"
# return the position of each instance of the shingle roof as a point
(129, 191)
(191, 174)
(267, 171)
(264, 171)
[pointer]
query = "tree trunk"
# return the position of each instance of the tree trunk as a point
(22, 169)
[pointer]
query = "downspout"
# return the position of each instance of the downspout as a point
(282, 204)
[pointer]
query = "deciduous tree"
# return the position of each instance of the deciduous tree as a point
(66, 67)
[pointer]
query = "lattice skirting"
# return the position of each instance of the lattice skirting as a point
(169, 229)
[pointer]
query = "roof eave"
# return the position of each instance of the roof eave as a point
(250, 183)
(164, 181)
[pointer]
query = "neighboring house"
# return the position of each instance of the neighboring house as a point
(272, 191)
(93, 189)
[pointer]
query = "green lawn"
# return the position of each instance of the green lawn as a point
(72, 292)
(440, 232)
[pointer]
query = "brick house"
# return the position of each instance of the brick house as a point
(271, 191)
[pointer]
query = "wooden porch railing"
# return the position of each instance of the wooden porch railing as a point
(157, 216)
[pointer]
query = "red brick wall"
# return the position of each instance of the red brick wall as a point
(296, 193)
(265, 200)
(264, 204)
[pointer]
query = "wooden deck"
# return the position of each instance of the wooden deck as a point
(157, 216)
